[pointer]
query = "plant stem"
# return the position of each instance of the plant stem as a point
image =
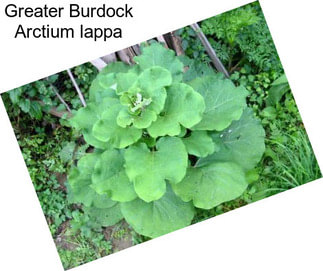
(76, 87)
(53, 111)
(61, 98)
(215, 60)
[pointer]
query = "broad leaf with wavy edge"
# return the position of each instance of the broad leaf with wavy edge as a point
(159, 217)
(212, 185)
(224, 102)
(104, 85)
(199, 143)
(242, 142)
(158, 55)
(87, 116)
(150, 169)
(109, 177)
(144, 96)
(107, 130)
(104, 217)
(79, 181)
(183, 106)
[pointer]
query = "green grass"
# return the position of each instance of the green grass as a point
(284, 166)
(294, 164)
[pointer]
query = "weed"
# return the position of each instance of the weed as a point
(292, 165)
(85, 249)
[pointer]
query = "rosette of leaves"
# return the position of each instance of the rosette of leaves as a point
(162, 147)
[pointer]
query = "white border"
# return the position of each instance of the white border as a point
(283, 232)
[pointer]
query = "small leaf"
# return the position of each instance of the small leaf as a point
(24, 105)
(15, 95)
(66, 153)
(269, 112)
(80, 151)
(35, 110)
(278, 88)
(199, 143)
(53, 78)
(252, 175)
(159, 217)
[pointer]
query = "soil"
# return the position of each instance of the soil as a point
(118, 243)
(63, 240)
(61, 178)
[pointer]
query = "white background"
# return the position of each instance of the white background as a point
(283, 232)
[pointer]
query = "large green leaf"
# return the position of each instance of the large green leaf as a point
(183, 106)
(79, 181)
(157, 55)
(199, 143)
(84, 117)
(159, 217)
(102, 201)
(212, 185)
(224, 102)
(150, 169)
(125, 81)
(106, 129)
(116, 67)
(109, 177)
(139, 121)
(79, 188)
(87, 116)
(103, 86)
(154, 78)
(104, 217)
(195, 68)
(242, 142)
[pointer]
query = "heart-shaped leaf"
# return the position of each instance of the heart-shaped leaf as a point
(109, 177)
(157, 55)
(159, 217)
(224, 102)
(150, 169)
(199, 143)
(107, 130)
(183, 106)
(212, 185)
(242, 142)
